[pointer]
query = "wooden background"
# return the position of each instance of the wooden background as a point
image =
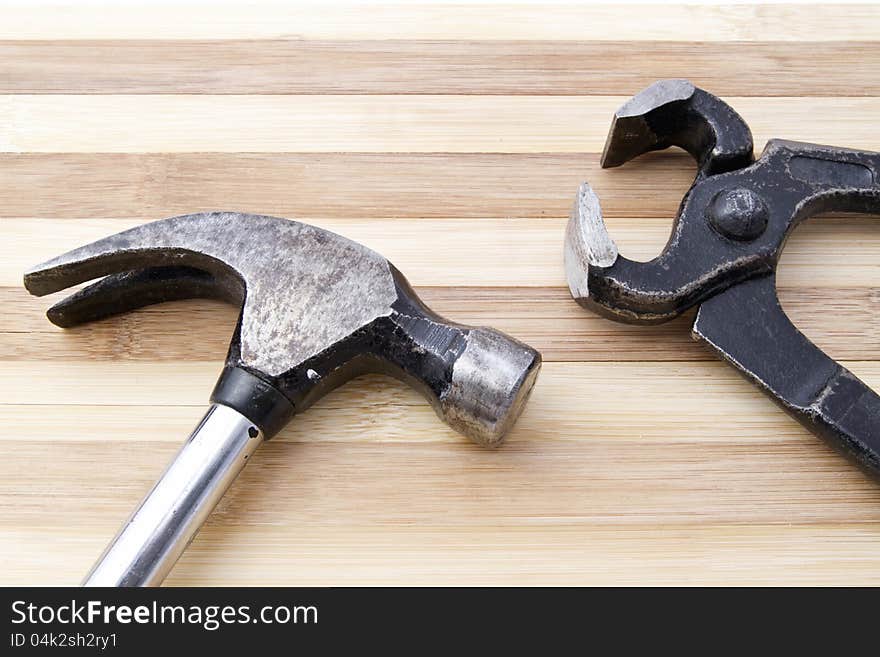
(452, 140)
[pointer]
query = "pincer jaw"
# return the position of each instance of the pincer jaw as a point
(602, 280)
(587, 243)
(676, 113)
(631, 133)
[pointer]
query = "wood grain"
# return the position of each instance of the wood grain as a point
(577, 401)
(434, 67)
(333, 185)
(556, 553)
(627, 471)
(378, 123)
(544, 317)
(451, 139)
(392, 185)
(825, 252)
(27, 20)
(488, 488)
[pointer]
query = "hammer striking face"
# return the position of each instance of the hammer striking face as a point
(316, 311)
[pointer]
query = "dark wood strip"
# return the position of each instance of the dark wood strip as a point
(152, 186)
(435, 67)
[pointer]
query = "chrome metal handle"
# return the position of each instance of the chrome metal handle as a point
(168, 518)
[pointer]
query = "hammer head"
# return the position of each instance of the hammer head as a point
(316, 310)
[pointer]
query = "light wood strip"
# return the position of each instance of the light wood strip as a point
(845, 322)
(621, 402)
(278, 553)
(827, 252)
(23, 19)
(611, 67)
(521, 485)
(376, 124)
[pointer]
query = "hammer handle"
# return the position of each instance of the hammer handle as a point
(168, 518)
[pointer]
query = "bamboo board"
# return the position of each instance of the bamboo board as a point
(451, 139)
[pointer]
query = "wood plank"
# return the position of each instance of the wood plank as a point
(610, 466)
(279, 553)
(463, 486)
(828, 252)
(397, 185)
(551, 67)
(843, 321)
(451, 139)
(25, 19)
(335, 185)
(620, 402)
(381, 123)
(756, 554)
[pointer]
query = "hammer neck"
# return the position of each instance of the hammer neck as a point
(260, 402)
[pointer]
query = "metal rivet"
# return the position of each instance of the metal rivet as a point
(738, 214)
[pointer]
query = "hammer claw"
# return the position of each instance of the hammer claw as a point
(170, 243)
(119, 293)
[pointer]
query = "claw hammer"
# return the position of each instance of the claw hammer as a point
(316, 311)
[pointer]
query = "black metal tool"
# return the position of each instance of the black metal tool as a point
(724, 249)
